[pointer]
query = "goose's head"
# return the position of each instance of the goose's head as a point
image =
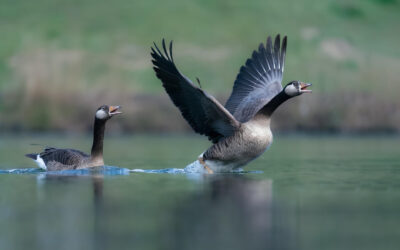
(295, 88)
(105, 112)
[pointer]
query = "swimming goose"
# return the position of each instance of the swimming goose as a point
(240, 131)
(53, 159)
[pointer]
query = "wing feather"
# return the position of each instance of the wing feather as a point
(202, 111)
(70, 158)
(259, 80)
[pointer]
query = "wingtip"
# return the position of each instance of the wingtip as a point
(170, 50)
(277, 40)
(277, 37)
(158, 50)
(260, 47)
(165, 49)
(269, 42)
(284, 43)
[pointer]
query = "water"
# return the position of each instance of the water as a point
(304, 193)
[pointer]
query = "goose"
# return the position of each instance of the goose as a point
(240, 130)
(55, 159)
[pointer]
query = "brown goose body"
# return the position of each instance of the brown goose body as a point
(251, 140)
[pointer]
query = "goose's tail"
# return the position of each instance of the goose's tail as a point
(32, 156)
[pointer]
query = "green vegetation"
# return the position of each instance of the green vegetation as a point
(76, 55)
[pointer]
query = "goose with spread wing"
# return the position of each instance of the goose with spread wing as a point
(240, 130)
(55, 159)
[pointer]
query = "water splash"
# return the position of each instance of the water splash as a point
(193, 168)
(160, 171)
(189, 169)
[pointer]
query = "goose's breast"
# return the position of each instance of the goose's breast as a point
(258, 138)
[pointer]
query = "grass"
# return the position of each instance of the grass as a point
(86, 48)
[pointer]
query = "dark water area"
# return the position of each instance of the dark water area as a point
(305, 192)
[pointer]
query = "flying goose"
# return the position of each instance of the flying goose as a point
(54, 159)
(240, 131)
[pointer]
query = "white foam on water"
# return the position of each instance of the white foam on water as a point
(195, 167)
(160, 171)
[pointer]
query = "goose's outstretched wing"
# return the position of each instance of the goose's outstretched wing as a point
(203, 112)
(258, 81)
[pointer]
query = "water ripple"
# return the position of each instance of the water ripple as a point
(110, 171)
(104, 170)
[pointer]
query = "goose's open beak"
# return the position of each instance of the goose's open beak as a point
(304, 86)
(114, 110)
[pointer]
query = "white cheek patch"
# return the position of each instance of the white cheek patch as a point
(101, 114)
(291, 90)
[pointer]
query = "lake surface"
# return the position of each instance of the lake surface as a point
(326, 192)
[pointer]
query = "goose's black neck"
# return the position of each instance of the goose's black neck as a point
(275, 102)
(98, 137)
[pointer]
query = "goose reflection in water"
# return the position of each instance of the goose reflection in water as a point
(71, 221)
(222, 212)
(232, 212)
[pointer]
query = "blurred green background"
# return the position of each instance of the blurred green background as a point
(60, 60)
